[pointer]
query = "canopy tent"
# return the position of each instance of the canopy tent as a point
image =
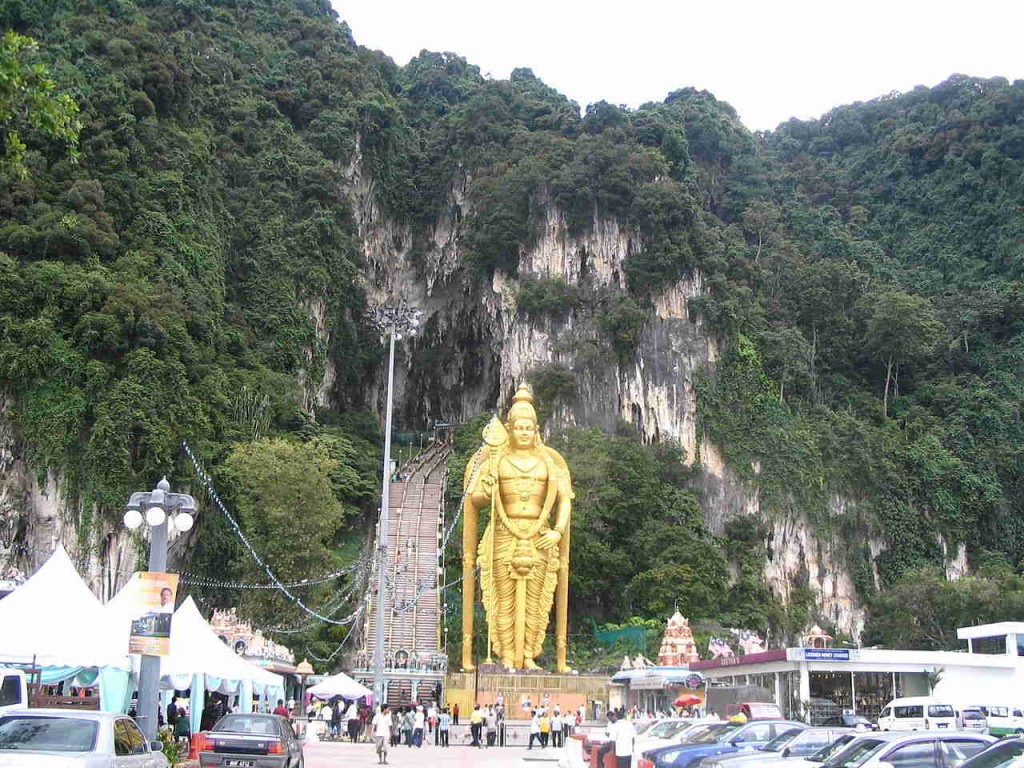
(54, 621)
(199, 659)
(195, 649)
(339, 685)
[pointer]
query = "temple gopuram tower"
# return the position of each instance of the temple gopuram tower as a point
(677, 647)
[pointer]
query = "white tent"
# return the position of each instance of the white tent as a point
(54, 620)
(195, 649)
(339, 685)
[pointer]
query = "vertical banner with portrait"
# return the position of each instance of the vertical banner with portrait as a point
(151, 626)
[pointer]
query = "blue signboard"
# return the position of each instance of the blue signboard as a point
(826, 654)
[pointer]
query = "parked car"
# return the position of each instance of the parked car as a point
(849, 720)
(916, 713)
(973, 719)
(250, 741)
(795, 742)
(933, 749)
(729, 739)
(999, 755)
(1003, 720)
(823, 754)
(60, 738)
(13, 690)
(676, 732)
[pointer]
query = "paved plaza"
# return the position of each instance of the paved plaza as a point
(332, 754)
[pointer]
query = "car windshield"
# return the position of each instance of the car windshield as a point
(263, 725)
(47, 734)
(972, 714)
(997, 756)
(666, 729)
(714, 733)
(940, 710)
(781, 741)
(855, 755)
(643, 727)
(828, 750)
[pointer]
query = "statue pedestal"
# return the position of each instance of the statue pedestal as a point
(490, 681)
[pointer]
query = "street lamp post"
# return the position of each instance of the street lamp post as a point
(394, 321)
(155, 508)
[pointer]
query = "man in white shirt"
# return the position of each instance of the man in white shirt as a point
(556, 729)
(623, 734)
(417, 727)
(382, 733)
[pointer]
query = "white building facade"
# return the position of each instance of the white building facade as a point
(814, 684)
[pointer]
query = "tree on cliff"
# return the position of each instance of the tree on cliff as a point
(902, 329)
(30, 104)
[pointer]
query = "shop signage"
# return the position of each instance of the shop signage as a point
(694, 681)
(735, 661)
(823, 654)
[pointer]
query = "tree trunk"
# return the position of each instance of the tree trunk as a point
(885, 397)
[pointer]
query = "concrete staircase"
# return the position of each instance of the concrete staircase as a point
(411, 609)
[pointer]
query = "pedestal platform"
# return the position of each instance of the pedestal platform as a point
(523, 692)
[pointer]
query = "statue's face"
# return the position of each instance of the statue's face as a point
(524, 433)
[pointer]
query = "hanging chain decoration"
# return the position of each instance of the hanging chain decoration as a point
(337, 650)
(332, 608)
(207, 483)
(202, 581)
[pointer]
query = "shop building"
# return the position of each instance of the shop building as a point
(814, 683)
(655, 689)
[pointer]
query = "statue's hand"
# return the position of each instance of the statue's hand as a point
(548, 540)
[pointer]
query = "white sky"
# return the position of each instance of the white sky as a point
(769, 60)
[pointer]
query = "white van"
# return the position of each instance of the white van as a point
(13, 690)
(917, 713)
(1004, 720)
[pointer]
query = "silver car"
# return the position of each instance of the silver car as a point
(65, 738)
(790, 744)
(917, 749)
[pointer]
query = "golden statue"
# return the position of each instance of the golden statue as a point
(524, 553)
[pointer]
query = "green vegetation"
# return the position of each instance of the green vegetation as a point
(179, 259)
(30, 104)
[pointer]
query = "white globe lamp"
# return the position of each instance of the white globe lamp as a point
(183, 521)
(132, 519)
(155, 516)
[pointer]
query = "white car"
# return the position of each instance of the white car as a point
(64, 738)
(822, 755)
(667, 732)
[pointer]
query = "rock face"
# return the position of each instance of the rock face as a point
(475, 345)
(490, 345)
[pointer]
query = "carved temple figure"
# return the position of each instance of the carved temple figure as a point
(524, 553)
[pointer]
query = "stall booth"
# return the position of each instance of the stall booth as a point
(55, 628)
(198, 660)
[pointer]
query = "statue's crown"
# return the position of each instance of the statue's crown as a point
(522, 405)
(524, 394)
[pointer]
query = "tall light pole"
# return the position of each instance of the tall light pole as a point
(158, 505)
(393, 321)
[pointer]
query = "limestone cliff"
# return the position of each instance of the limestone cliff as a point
(489, 345)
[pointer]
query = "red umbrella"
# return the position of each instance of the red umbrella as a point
(687, 700)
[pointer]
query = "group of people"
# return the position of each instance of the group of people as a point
(551, 728)
(337, 715)
(409, 725)
(483, 723)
